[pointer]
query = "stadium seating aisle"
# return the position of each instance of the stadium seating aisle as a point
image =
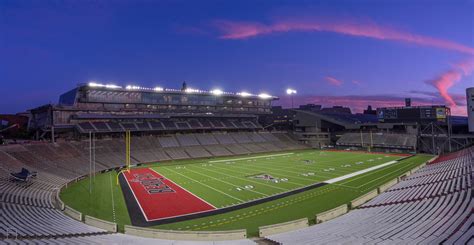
(378, 140)
(432, 206)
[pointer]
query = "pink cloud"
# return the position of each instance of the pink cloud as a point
(245, 30)
(356, 82)
(333, 81)
(448, 78)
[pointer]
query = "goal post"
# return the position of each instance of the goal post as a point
(127, 154)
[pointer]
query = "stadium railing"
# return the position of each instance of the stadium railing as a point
(331, 214)
(364, 198)
(101, 224)
(387, 185)
(72, 213)
(282, 227)
(186, 235)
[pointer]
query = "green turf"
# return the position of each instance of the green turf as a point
(223, 184)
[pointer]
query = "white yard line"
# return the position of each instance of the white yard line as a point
(210, 187)
(112, 191)
(136, 199)
(247, 158)
(363, 171)
(265, 195)
(245, 179)
(182, 188)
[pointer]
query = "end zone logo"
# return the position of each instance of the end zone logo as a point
(152, 184)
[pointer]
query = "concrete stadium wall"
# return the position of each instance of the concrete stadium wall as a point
(387, 185)
(363, 199)
(431, 160)
(283, 227)
(331, 214)
(58, 203)
(186, 235)
(102, 224)
(73, 213)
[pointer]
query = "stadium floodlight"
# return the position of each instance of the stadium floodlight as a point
(112, 86)
(217, 92)
(264, 96)
(190, 90)
(291, 92)
(132, 87)
(158, 89)
(95, 84)
(244, 94)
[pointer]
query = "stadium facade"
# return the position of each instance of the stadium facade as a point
(102, 108)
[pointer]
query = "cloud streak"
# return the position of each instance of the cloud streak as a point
(245, 30)
(333, 81)
(447, 79)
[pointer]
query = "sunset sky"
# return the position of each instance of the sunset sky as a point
(338, 52)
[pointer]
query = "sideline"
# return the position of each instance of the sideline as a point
(363, 171)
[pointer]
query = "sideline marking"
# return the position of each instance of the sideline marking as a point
(246, 158)
(210, 187)
(136, 199)
(112, 191)
(363, 171)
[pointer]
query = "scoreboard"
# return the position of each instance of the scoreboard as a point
(420, 114)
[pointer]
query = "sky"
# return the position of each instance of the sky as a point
(334, 52)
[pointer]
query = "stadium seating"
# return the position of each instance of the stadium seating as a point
(382, 140)
(433, 205)
(168, 124)
(116, 238)
(28, 209)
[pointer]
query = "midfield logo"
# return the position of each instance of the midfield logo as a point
(264, 177)
(151, 183)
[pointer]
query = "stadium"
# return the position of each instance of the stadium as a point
(130, 164)
(250, 122)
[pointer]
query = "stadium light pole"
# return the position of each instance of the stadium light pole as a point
(291, 92)
(90, 162)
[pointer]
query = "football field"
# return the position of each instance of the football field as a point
(232, 181)
(170, 191)
(180, 188)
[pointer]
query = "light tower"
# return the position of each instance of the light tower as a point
(291, 92)
(470, 108)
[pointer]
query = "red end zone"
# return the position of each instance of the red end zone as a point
(160, 198)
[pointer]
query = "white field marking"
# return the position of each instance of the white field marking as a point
(355, 179)
(284, 169)
(136, 199)
(210, 187)
(346, 186)
(112, 191)
(407, 166)
(279, 170)
(363, 171)
(235, 177)
(235, 166)
(182, 188)
(226, 182)
(247, 158)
